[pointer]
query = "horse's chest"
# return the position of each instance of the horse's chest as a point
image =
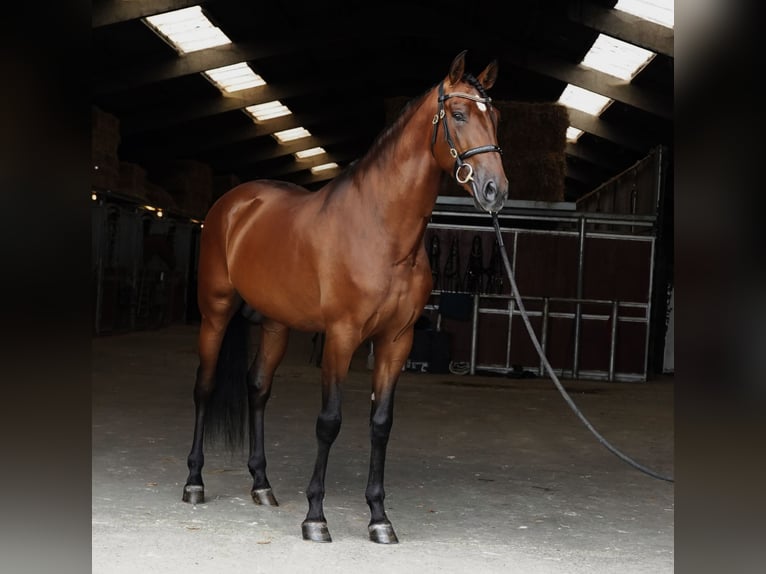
(403, 290)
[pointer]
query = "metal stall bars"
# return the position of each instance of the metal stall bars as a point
(134, 286)
(456, 214)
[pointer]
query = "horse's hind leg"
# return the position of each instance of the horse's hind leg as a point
(390, 356)
(270, 352)
(212, 329)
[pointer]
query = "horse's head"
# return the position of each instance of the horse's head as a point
(467, 145)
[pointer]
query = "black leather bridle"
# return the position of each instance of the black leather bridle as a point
(460, 157)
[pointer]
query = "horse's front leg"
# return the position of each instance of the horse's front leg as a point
(336, 359)
(390, 356)
(270, 353)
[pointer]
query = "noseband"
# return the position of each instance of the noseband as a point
(460, 157)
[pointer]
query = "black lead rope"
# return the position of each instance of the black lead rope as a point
(549, 369)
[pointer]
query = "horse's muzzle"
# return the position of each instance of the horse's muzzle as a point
(490, 197)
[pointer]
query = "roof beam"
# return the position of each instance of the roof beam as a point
(135, 76)
(599, 83)
(244, 159)
(600, 128)
(171, 115)
(296, 166)
(624, 26)
(108, 12)
(185, 143)
(298, 171)
(597, 158)
(426, 25)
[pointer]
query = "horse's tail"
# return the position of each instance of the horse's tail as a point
(226, 414)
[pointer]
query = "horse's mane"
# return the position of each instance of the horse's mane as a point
(380, 144)
(476, 84)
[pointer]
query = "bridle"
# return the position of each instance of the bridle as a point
(459, 157)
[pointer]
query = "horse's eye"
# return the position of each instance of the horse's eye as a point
(459, 116)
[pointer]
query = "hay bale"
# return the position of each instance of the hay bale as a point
(533, 139)
(532, 128)
(536, 178)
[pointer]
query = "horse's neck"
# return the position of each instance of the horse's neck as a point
(400, 183)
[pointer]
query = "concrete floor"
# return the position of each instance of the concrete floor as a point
(484, 474)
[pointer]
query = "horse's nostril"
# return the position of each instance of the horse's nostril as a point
(490, 190)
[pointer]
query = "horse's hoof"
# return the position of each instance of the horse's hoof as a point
(316, 531)
(194, 494)
(382, 533)
(264, 496)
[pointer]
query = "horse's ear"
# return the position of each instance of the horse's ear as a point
(457, 68)
(489, 75)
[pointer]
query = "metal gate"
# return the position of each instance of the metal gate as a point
(585, 279)
(141, 265)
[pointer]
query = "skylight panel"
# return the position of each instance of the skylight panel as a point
(187, 30)
(303, 154)
(573, 134)
(234, 77)
(291, 134)
(660, 12)
(324, 167)
(268, 111)
(584, 100)
(616, 58)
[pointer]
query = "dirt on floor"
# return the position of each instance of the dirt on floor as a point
(484, 473)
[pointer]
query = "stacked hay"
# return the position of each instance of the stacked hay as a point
(105, 139)
(533, 139)
(189, 182)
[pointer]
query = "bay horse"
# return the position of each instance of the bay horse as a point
(348, 261)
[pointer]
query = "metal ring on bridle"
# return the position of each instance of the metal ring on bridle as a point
(469, 177)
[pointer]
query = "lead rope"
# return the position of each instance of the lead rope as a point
(549, 369)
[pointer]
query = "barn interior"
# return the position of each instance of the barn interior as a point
(585, 89)
(167, 141)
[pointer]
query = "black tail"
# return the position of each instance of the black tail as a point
(226, 414)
